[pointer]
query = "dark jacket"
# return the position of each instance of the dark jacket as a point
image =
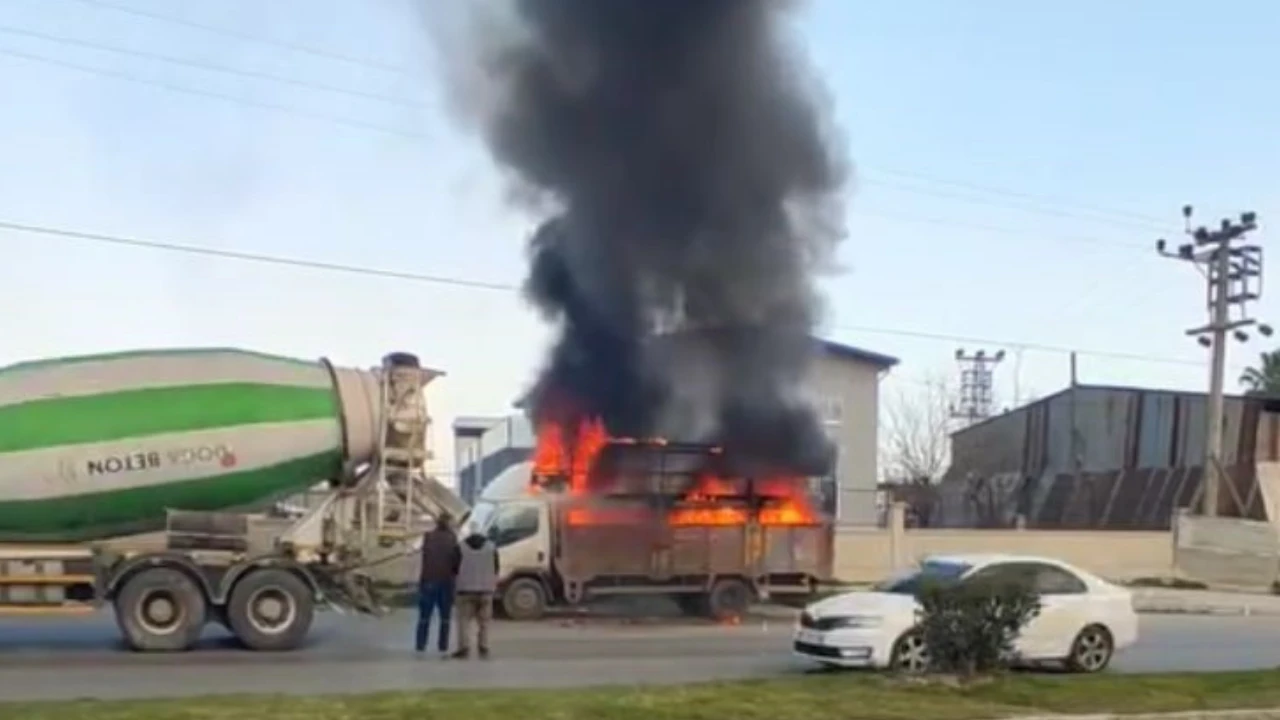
(440, 556)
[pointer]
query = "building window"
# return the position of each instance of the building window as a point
(832, 410)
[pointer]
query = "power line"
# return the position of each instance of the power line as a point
(1043, 347)
(1098, 210)
(361, 125)
(513, 287)
(495, 286)
(1129, 217)
(254, 257)
(248, 37)
(211, 67)
(1091, 294)
(260, 104)
(996, 229)
(376, 127)
(1055, 212)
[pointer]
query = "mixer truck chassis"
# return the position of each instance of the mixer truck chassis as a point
(163, 600)
(163, 603)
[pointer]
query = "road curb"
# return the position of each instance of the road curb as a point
(1154, 607)
(1176, 607)
(1208, 610)
(1234, 714)
(1142, 608)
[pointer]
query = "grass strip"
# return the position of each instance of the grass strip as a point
(819, 697)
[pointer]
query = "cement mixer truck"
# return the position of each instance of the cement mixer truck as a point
(145, 481)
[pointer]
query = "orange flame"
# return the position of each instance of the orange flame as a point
(568, 457)
(789, 512)
(719, 515)
(558, 455)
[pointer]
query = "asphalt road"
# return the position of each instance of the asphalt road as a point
(83, 659)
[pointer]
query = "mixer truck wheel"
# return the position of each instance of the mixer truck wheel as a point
(160, 610)
(270, 610)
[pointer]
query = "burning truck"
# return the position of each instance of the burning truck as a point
(593, 516)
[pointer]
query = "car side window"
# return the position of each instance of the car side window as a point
(1050, 580)
(1003, 574)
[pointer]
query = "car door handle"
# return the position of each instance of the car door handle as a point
(541, 556)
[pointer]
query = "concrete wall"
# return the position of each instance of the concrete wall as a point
(847, 394)
(1227, 552)
(868, 555)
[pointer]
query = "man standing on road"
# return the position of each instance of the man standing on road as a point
(477, 582)
(439, 567)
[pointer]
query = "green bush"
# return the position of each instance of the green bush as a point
(970, 628)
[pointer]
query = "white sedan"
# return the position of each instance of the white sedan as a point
(1083, 621)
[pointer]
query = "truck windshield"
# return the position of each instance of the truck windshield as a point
(513, 522)
(482, 516)
(910, 582)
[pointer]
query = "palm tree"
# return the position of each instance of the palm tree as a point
(1265, 378)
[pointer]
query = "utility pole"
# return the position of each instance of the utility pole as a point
(1017, 377)
(1075, 426)
(1233, 277)
(976, 372)
(1077, 442)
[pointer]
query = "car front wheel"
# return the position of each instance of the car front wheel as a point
(1091, 651)
(910, 654)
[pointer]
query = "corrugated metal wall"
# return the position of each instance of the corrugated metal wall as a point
(1133, 456)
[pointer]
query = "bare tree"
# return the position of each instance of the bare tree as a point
(917, 444)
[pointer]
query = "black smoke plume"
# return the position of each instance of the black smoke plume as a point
(696, 191)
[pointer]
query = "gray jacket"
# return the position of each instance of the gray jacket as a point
(477, 566)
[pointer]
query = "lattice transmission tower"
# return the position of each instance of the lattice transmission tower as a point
(977, 372)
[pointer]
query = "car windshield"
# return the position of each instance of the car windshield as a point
(930, 572)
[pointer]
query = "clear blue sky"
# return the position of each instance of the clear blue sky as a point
(1133, 108)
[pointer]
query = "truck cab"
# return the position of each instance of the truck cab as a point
(520, 524)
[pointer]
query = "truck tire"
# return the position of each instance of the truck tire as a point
(524, 599)
(270, 610)
(728, 598)
(161, 609)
